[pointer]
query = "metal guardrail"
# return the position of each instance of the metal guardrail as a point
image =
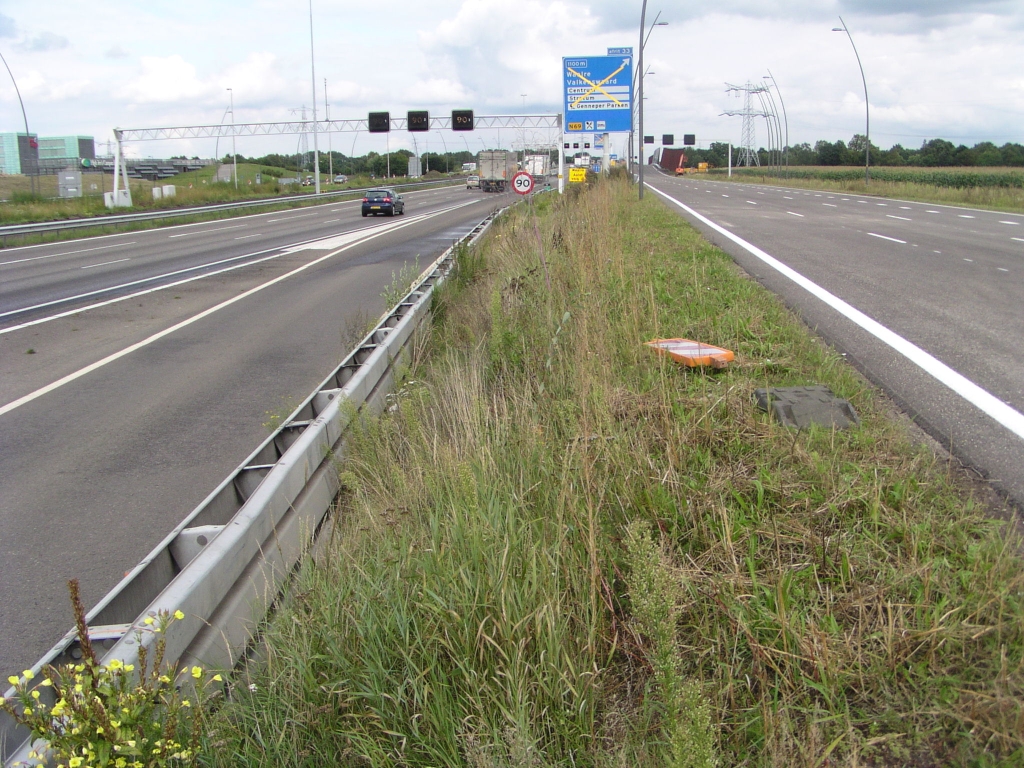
(14, 230)
(228, 560)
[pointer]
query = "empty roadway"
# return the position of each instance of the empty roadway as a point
(943, 283)
(138, 398)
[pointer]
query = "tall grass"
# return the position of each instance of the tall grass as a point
(557, 549)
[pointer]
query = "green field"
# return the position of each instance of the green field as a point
(192, 189)
(993, 188)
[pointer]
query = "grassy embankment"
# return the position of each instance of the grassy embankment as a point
(999, 189)
(557, 549)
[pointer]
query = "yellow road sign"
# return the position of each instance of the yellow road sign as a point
(577, 174)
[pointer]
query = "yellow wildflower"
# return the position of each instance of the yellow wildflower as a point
(129, 667)
(179, 615)
(28, 674)
(115, 664)
(218, 678)
(47, 682)
(35, 694)
(13, 680)
(74, 762)
(197, 672)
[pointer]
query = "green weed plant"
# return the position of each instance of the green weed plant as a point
(581, 554)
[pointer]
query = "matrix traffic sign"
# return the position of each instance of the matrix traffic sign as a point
(522, 183)
(418, 120)
(462, 119)
(379, 122)
(598, 93)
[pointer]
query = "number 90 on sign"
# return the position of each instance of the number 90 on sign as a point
(522, 183)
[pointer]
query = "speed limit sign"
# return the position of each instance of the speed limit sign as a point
(522, 183)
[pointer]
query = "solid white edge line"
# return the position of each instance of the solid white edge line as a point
(178, 326)
(988, 403)
(206, 313)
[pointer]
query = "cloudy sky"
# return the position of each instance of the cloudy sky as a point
(935, 68)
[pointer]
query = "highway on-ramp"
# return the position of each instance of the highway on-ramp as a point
(925, 299)
(138, 370)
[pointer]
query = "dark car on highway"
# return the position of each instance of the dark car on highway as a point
(385, 201)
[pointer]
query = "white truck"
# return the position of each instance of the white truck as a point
(537, 165)
(496, 168)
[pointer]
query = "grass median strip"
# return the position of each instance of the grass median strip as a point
(556, 548)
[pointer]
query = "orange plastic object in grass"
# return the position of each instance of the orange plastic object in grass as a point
(692, 353)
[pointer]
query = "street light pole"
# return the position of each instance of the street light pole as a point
(24, 117)
(234, 154)
(312, 69)
(867, 109)
(330, 147)
(640, 67)
(784, 117)
(640, 97)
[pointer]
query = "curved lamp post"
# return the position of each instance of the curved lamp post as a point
(867, 111)
(784, 117)
(640, 68)
(28, 136)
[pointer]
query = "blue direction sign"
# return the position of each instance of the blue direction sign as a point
(620, 51)
(598, 94)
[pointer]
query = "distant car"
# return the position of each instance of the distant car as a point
(308, 181)
(385, 201)
(473, 182)
(340, 178)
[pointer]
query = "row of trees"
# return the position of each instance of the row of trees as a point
(371, 163)
(932, 154)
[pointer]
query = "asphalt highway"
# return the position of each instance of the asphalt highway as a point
(924, 299)
(137, 370)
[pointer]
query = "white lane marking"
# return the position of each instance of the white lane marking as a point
(1002, 270)
(103, 264)
(970, 260)
(901, 218)
(331, 221)
(246, 237)
(66, 253)
(1011, 223)
(831, 205)
(296, 216)
(204, 231)
(884, 205)
(1010, 418)
(906, 208)
(865, 202)
(931, 211)
(883, 237)
(724, 195)
(786, 198)
(195, 318)
(817, 195)
(274, 253)
(939, 252)
(751, 202)
(1018, 239)
(795, 214)
(964, 216)
(845, 199)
